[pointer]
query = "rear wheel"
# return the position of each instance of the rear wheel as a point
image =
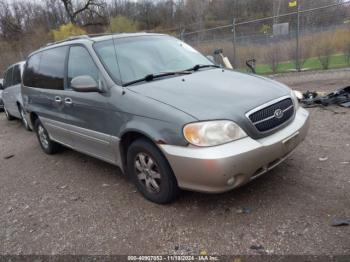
(50, 147)
(24, 118)
(7, 114)
(151, 173)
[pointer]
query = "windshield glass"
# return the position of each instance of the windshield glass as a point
(132, 58)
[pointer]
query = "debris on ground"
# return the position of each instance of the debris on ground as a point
(9, 156)
(323, 159)
(75, 198)
(339, 97)
(338, 222)
(257, 247)
(244, 210)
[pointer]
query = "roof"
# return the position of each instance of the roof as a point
(92, 38)
(100, 37)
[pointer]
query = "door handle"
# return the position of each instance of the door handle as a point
(58, 100)
(68, 101)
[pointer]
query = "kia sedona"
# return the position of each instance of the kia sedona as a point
(161, 111)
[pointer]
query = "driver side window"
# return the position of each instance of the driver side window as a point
(80, 63)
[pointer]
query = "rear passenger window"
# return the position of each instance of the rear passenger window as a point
(80, 63)
(16, 75)
(51, 70)
(31, 72)
(8, 78)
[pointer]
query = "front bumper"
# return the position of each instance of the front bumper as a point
(222, 168)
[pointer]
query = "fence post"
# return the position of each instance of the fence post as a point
(182, 34)
(298, 66)
(234, 42)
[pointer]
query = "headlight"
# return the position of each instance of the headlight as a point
(295, 99)
(212, 133)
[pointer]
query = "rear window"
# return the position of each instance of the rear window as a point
(51, 68)
(16, 75)
(46, 69)
(31, 72)
(8, 78)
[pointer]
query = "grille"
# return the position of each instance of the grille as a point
(266, 119)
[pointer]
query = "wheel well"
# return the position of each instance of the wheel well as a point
(33, 117)
(126, 140)
(18, 105)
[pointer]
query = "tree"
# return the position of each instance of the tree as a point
(92, 8)
(273, 56)
(122, 24)
(66, 31)
(324, 50)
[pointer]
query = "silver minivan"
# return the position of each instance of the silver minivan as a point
(161, 111)
(1, 88)
(11, 94)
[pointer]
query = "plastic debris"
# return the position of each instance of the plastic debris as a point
(338, 222)
(339, 97)
(9, 156)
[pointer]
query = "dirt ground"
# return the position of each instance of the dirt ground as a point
(70, 203)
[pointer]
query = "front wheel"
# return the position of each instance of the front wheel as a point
(50, 147)
(151, 173)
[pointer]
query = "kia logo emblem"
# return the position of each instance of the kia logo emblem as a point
(278, 113)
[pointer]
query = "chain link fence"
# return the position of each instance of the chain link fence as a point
(315, 38)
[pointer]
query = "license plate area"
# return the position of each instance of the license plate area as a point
(291, 142)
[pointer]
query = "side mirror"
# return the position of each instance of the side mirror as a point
(84, 84)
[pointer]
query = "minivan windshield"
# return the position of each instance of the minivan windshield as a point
(129, 59)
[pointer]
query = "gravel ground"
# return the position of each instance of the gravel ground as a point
(70, 203)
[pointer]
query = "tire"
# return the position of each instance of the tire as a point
(7, 114)
(50, 147)
(151, 173)
(23, 118)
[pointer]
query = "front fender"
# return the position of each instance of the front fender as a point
(161, 132)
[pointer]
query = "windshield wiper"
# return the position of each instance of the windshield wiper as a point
(197, 67)
(151, 77)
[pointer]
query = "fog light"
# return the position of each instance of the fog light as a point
(231, 181)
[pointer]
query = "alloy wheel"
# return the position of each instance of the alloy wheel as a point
(6, 113)
(43, 136)
(147, 172)
(24, 119)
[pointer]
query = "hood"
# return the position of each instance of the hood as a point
(214, 93)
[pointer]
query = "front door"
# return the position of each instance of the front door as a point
(87, 113)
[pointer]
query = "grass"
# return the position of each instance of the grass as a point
(313, 63)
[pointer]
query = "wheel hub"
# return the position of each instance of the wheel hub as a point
(147, 172)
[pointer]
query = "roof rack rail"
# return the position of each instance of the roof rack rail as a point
(88, 36)
(71, 38)
(101, 34)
